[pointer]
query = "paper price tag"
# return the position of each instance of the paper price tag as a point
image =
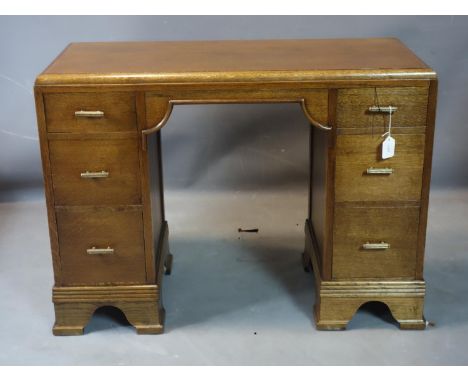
(388, 147)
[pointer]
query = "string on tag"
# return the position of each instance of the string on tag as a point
(389, 132)
(388, 145)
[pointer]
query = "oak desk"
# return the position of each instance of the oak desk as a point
(100, 108)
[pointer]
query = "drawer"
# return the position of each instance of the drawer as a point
(356, 226)
(73, 163)
(118, 112)
(353, 107)
(119, 232)
(361, 174)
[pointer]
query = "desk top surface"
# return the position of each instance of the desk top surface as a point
(232, 61)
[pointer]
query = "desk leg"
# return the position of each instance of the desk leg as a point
(74, 307)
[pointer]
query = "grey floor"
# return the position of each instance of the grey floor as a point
(232, 298)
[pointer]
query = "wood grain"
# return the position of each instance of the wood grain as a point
(101, 227)
(118, 108)
(225, 61)
(318, 199)
(145, 163)
(356, 153)
(48, 187)
(426, 178)
(74, 307)
(353, 105)
(313, 101)
(355, 226)
(155, 226)
(69, 158)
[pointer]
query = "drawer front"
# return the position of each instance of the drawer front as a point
(353, 107)
(107, 112)
(361, 174)
(117, 232)
(354, 227)
(95, 172)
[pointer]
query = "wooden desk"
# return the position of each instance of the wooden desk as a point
(100, 108)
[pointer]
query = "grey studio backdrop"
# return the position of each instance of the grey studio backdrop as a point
(233, 298)
(227, 146)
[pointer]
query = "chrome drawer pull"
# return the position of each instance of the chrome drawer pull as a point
(92, 175)
(371, 246)
(100, 251)
(89, 114)
(379, 171)
(382, 109)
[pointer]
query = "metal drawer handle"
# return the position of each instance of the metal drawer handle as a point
(383, 109)
(379, 171)
(370, 246)
(100, 251)
(92, 175)
(89, 114)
